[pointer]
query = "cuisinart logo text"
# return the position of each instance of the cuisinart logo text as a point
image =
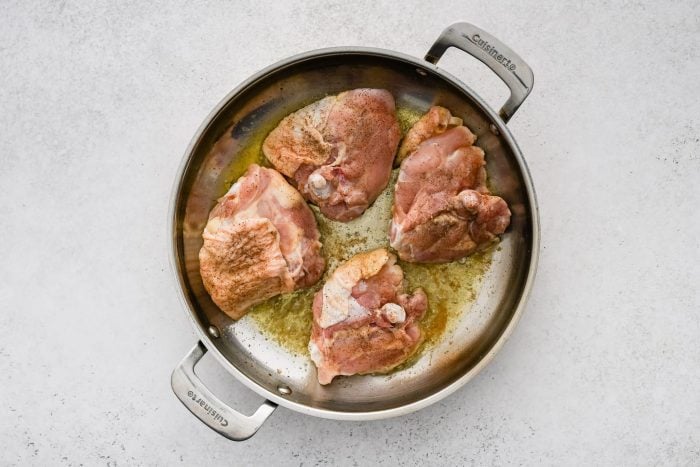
(491, 50)
(208, 408)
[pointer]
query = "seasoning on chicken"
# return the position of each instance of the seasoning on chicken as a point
(339, 150)
(442, 209)
(363, 321)
(261, 240)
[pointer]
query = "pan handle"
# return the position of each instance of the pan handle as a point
(208, 408)
(494, 54)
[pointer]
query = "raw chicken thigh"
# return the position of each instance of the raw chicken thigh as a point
(363, 321)
(261, 240)
(442, 209)
(338, 150)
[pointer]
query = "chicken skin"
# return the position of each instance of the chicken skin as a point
(363, 321)
(261, 240)
(442, 209)
(435, 122)
(339, 150)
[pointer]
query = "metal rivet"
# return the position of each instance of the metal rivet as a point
(214, 332)
(494, 129)
(421, 72)
(284, 389)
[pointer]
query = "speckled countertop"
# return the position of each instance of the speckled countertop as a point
(98, 104)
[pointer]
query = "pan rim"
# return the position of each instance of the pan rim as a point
(419, 403)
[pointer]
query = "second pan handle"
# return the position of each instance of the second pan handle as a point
(210, 409)
(494, 54)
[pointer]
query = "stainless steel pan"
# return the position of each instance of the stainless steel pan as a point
(261, 102)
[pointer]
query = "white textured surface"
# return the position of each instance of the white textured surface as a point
(99, 101)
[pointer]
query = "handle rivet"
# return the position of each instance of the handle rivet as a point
(421, 72)
(284, 389)
(214, 332)
(494, 129)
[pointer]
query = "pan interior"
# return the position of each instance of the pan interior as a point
(261, 105)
